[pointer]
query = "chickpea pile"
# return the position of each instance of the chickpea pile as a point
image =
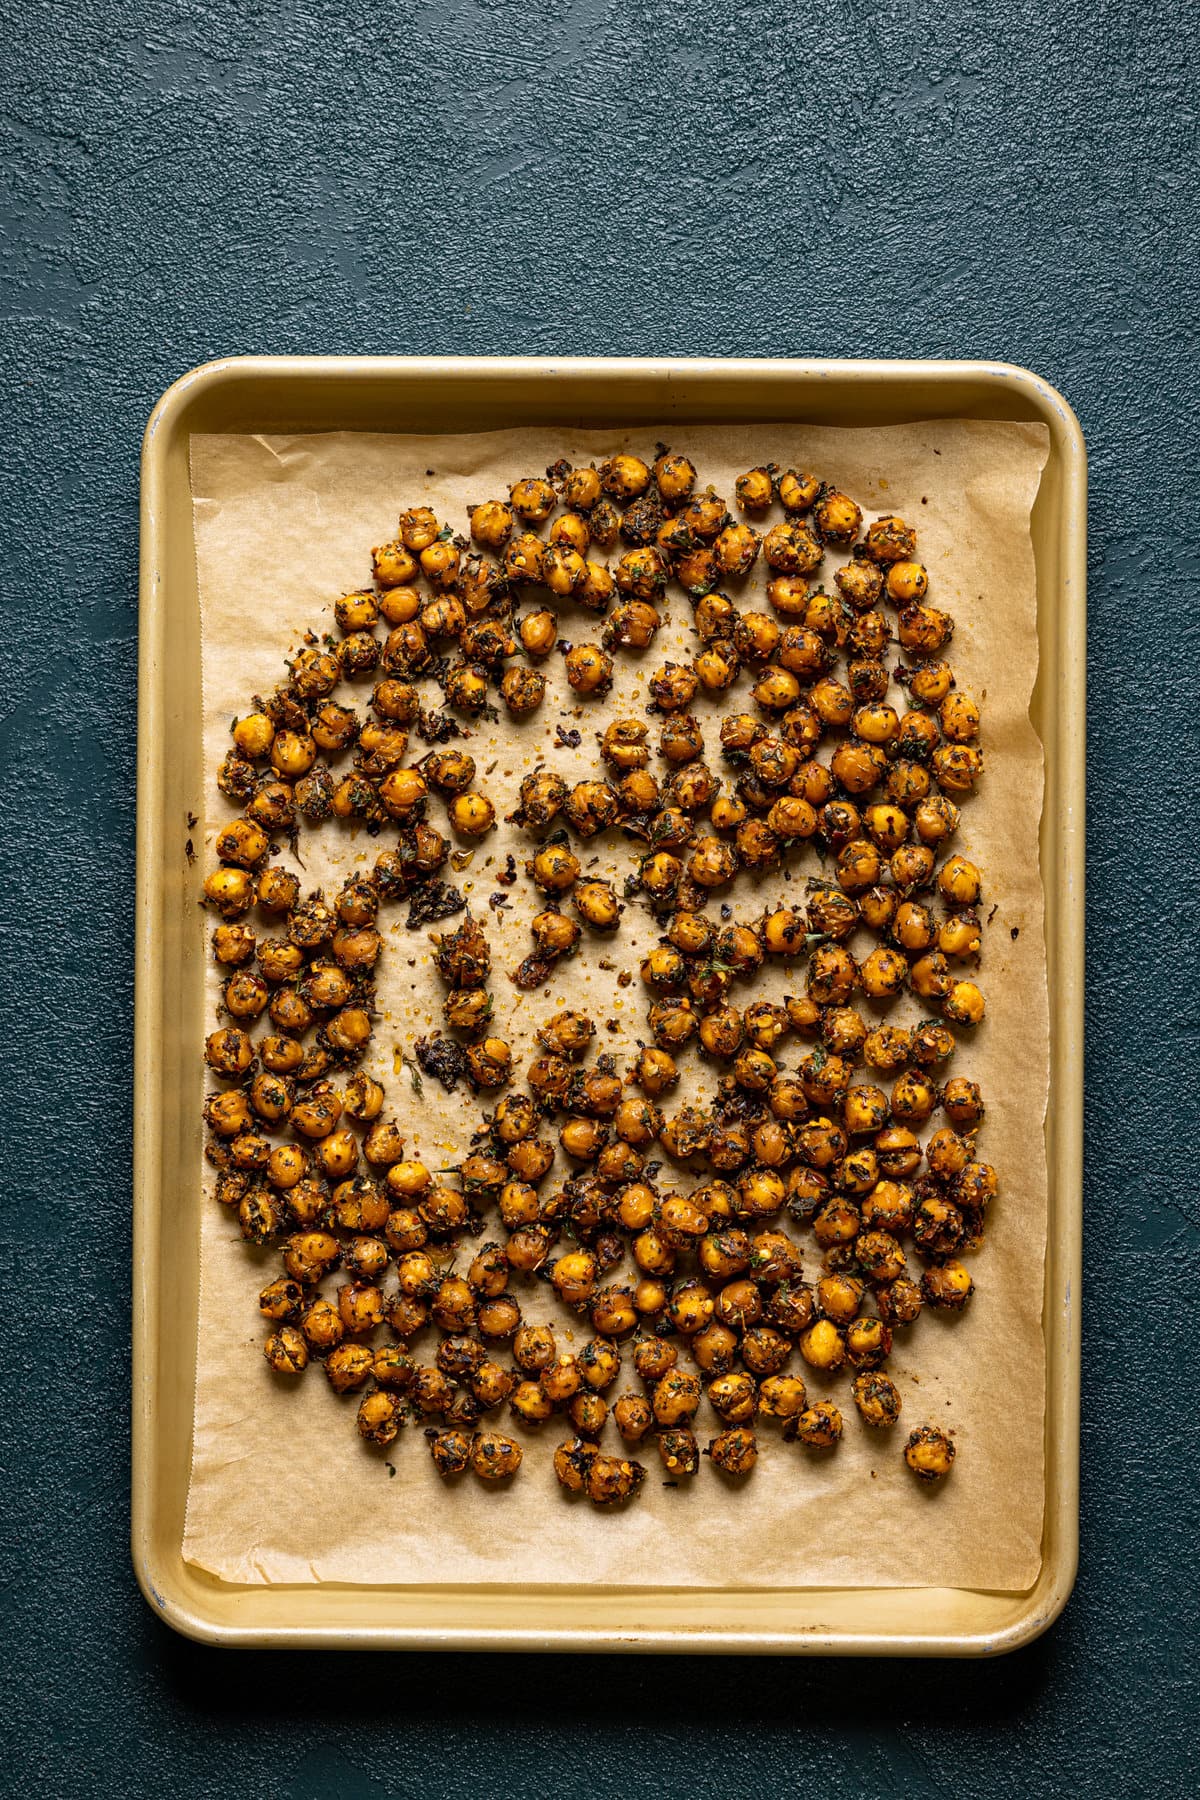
(694, 1293)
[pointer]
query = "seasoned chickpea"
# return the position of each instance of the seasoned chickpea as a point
(877, 1398)
(947, 1286)
(633, 1417)
(929, 1453)
(960, 718)
(823, 1345)
(963, 1004)
(819, 1427)
(597, 905)
(286, 1351)
(494, 1457)
(589, 669)
(676, 1397)
(837, 518)
(735, 1452)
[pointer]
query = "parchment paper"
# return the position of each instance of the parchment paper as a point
(282, 1490)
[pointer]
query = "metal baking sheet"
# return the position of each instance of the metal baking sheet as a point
(274, 394)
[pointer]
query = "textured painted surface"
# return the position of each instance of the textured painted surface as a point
(184, 180)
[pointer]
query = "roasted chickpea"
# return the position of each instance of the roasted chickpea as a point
(823, 1345)
(589, 669)
(676, 1398)
(963, 1004)
(929, 1453)
(947, 1286)
(877, 1398)
(494, 1457)
(837, 518)
(286, 1351)
(819, 1427)
(899, 1302)
(868, 1343)
(734, 1452)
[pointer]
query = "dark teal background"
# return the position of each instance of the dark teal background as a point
(848, 177)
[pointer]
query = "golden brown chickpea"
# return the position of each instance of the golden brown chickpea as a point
(960, 882)
(612, 1480)
(899, 1302)
(679, 1451)
(524, 559)
(877, 1398)
(923, 630)
(533, 499)
(530, 1403)
(947, 1286)
(228, 1051)
(960, 936)
(868, 1343)
(837, 518)
(960, 718)
(930, 977)
(574, 1276)
(734, 1452)
(597, 905)
(534, 1348)
(472, 815)
(832, 975)
(964, 1004)
(286, 1351)
(655, 1071)
(797, 492)
(962, 1101)
(677, 1397)
(588, 1414)
(572, 531)
(819, 1427)
(890, 540)
(907, 582)
(347, 1367)
(633, 1417)
(913, 1098)
(394, 565)
(782, 1397)
(492, 524)
(322, 1326)
(883, 973)
(976, 1186)
(624, 476)
(929, 1453)
(494, 1457)
(755, 490)
(839, 1297)
(792, 549)
(736, 550)
(929, 683)
(823, 1346)
(589, 669)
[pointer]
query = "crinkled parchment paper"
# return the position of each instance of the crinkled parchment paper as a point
(282, 1490)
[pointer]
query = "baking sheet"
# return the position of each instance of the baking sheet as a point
(281, 1488)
